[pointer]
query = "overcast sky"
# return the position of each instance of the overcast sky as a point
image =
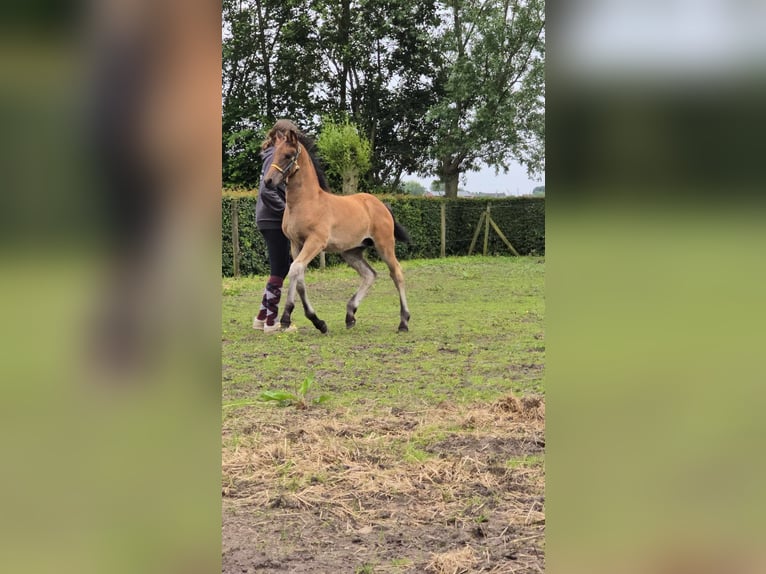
(515, 182)
(683, 38)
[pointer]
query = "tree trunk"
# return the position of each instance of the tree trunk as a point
(350, 181)
(266, 64)
(345, 34)
(397, 177)
(451, 180)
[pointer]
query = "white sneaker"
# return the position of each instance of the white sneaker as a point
(277, 328)
(258, 324)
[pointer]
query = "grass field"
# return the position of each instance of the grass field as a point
(428, 453)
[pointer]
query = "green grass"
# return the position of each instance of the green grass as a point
(526, 461)
(476, 333)
(412, 453)
(400, 563)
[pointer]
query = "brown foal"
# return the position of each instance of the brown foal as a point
(315, 221)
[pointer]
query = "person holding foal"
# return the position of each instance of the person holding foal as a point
(269, 210)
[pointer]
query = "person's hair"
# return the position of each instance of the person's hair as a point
(280, 129)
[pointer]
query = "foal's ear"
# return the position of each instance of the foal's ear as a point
(292, 137)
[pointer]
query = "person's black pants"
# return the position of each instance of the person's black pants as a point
(278, 247)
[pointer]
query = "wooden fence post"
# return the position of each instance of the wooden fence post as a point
(476, 233)
(235, 234)
(486, 230)
(504, 238)
(322, 260)
(444, 229)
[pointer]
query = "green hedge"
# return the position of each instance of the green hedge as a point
(521, 219)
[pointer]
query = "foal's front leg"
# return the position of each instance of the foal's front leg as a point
(310, 249)
(285, 320)
(307, 308)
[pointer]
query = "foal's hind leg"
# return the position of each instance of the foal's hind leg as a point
(308, 251)
(388, 254)
(355, 258)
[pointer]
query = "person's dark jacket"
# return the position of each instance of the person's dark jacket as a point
(271, 202)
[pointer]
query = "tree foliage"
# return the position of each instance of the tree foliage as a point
(346, 153)
(437, 87)
(378, 54)
(412, 187)
(492, 107)
(270, 51)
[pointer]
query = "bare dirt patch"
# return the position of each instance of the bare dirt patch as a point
(442, 490)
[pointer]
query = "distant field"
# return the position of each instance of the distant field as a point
(429, 451)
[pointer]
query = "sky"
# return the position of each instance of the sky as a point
(680, 38)
(515, 182)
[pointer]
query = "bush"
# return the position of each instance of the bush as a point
(521, 219)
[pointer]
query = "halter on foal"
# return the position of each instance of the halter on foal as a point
(316, 221)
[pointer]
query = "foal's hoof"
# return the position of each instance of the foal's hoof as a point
(322, 326)
(403, 328)
(350, 323)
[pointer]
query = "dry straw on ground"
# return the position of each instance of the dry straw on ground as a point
(529, 407)
(453, 562)
(424, 474)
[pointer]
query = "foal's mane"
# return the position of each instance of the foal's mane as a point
(308, 144)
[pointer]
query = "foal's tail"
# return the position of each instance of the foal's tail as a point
(400, 233)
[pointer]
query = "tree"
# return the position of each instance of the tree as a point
(437, 87)
(270, 64)
(492, 110)
(242, 163)
(378, 56)
(412, 187)
(345, 151)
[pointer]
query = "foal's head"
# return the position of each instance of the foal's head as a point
(287, 149)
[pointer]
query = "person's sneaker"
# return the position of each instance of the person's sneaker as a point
(277, 328)
(258, 324)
